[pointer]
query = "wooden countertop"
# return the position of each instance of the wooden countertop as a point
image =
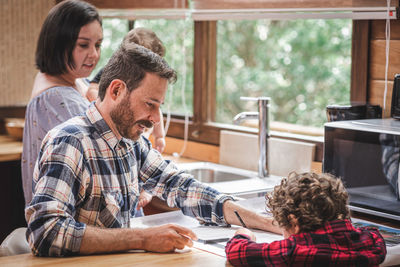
(10, 148)
(195, 257)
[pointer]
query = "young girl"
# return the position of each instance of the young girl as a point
(312, 211)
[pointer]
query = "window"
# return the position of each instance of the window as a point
(303, 65)
(114, 31)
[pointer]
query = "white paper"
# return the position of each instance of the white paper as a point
(202, 232)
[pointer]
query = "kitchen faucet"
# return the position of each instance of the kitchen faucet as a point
(263, 130)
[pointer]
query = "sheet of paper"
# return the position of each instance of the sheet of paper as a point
(202, 232)
(219, 248)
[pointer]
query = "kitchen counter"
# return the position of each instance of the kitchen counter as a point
(10, 148)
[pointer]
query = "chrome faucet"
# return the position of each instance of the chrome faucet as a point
(263, 130)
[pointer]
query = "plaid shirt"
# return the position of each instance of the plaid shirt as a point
(86, 176)
(338, 243)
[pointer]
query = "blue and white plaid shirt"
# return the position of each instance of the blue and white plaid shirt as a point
(86, 176)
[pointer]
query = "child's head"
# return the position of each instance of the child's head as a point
(147, 38)
(312, 199)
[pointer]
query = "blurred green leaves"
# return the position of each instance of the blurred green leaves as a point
(303, 65)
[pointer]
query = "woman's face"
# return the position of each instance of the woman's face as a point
(86, 52)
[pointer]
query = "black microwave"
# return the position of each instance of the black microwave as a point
(365, 154)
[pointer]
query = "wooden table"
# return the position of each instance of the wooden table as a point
(195, 257)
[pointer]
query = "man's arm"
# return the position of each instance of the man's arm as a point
(162, 238)
(250, 218)
(195, 199)
(52, 228)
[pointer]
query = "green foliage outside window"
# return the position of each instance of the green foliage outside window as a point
(303, 65)
(177, 36)
(114, 31)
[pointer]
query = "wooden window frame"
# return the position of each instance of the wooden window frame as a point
(360, 61)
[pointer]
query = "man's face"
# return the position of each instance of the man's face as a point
(140, 109)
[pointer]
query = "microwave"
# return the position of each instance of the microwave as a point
(365, 154)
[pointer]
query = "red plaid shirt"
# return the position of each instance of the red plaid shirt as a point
(338, 243)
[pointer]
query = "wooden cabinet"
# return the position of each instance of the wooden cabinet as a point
(12, 201)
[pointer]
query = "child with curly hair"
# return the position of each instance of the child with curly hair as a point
(312, 211)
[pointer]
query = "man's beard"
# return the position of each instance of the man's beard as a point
(123, 118)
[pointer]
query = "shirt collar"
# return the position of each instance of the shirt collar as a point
(98, 122)
(336, 226)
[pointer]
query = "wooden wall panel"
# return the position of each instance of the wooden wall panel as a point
(194, 150)
(378, 30)
(376, 95)
(377, 61)
(20, 23)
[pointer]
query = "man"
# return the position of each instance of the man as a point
(86, 178)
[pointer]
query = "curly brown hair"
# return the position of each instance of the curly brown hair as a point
(312, 198)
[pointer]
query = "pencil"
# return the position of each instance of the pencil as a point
(240, 219)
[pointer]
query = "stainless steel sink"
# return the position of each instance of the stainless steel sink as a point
(230, 180)
(207, 172)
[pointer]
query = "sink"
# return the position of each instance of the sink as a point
(208, 172)
(230, 180)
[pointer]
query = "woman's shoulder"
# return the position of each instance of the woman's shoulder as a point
(47, 85)
(56, 105)
(60, 91)
(62, 96)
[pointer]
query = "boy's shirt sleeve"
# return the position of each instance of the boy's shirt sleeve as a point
(241, 251)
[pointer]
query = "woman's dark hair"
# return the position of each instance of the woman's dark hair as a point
(59, 33)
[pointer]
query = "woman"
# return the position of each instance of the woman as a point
(68, 48)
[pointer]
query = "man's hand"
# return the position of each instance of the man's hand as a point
(162, 238)
(167, 237)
